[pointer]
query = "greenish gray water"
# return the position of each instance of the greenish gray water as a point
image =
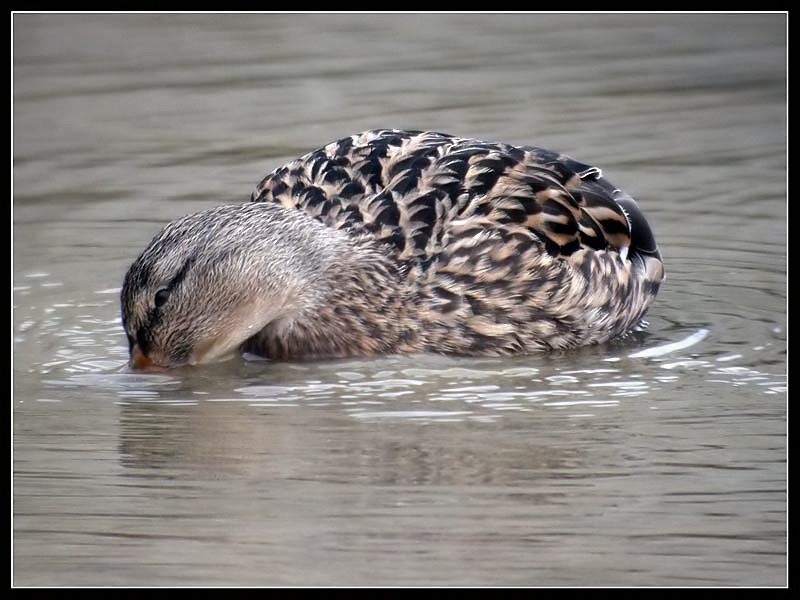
(660, 459)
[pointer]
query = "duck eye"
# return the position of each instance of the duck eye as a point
(161, 297)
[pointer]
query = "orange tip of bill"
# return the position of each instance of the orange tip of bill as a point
(139, 362)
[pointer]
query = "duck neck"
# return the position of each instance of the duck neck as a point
(353, 303)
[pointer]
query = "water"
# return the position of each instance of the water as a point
(659, 459)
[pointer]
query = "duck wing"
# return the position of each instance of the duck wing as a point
(404, 188)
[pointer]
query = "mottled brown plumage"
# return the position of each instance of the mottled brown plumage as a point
(395, 241)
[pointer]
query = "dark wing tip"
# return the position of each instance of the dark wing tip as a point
(642, 239)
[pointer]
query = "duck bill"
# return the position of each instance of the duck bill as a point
(139, 362)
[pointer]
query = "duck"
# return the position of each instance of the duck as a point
(394, 241)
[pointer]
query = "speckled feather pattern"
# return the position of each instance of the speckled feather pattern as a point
(397, 241)
(512, 249)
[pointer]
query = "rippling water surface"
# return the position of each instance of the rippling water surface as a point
(658, 459)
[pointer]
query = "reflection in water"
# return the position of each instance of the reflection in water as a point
(217, 439)
(657, 459)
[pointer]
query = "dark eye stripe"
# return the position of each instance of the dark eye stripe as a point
(180, 275)
(163, 294)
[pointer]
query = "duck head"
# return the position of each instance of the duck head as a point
(209, 281)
